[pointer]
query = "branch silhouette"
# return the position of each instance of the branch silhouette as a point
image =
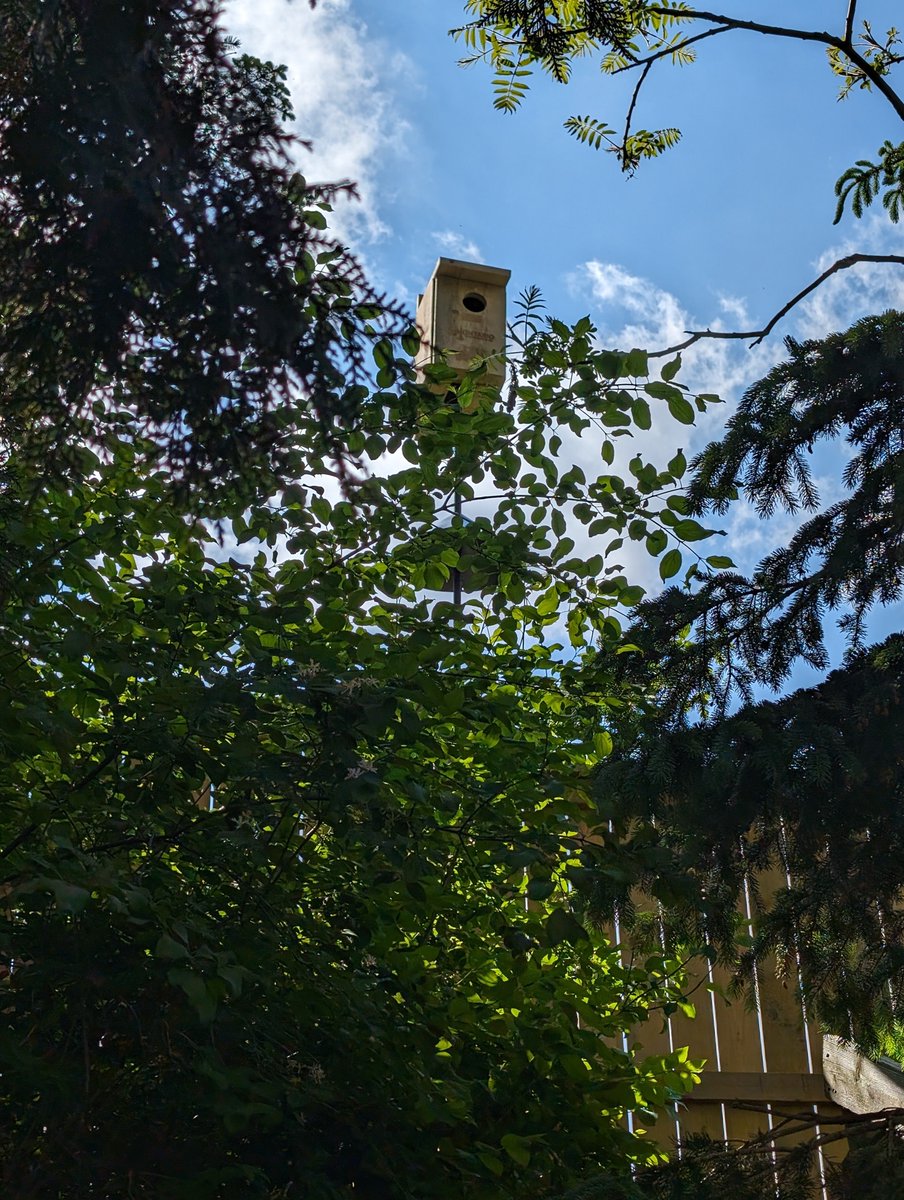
(755, 336)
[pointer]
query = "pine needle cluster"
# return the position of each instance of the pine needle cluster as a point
(843, 559)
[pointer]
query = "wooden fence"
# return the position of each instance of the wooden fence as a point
(764, 1062)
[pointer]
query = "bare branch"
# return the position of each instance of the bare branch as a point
(755, 336)
(785, 31)
(643, 75)
(800, 35)
(849, 22)
(651, 58)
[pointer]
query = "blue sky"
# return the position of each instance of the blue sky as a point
(720, 231)
(741, 209)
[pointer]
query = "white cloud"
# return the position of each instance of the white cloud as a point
(859, 290)
(632, 311)
(339, 77)
(735, 308)
(458, 246)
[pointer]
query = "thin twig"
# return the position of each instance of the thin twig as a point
(20, 837)
(640, 82)
(785, 31)
(669, 50)
(755, 336)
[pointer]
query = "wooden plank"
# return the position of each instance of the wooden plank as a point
(743, 1124)
(758, 1087)
(735, 1031)
(784, 1031)
(663, 1132)
(770, 1059)
(652, 1037)
(737, 1028)
(698, 1033)
(814, 1034)
(834, 1152)
(700, 1117)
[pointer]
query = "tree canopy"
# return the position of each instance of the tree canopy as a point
(161, 261)
(288, 841)
(703, 794)
(303, 866)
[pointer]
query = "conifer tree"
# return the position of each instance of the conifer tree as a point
(161, 261)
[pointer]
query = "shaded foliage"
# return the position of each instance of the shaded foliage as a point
(873, 1170)
(159, 258)
(285, 841)
(707, 1170)
(810, 784)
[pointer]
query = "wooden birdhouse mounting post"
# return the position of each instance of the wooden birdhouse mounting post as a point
(461, 317)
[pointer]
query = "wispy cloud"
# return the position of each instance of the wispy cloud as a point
(342, 82)
(633, 311)
(857, 291)
(457, 245)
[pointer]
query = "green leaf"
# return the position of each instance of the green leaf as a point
(492, 1162)
(517, 1148)
(168, 947)
(411, 341)
(540, 889)
(657, 542)
(195, 988)
(670, 564)
(671, 369)
(561, 926)
(691, 531)
(549, 602)
(640, 412)
(662, 391)
(70, 898)
(611, 365)
(331, 619)
(602, 743)
(681, 409)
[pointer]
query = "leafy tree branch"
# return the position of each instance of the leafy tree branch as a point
(635, 37)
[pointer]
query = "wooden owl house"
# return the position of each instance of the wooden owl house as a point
(461, 317)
